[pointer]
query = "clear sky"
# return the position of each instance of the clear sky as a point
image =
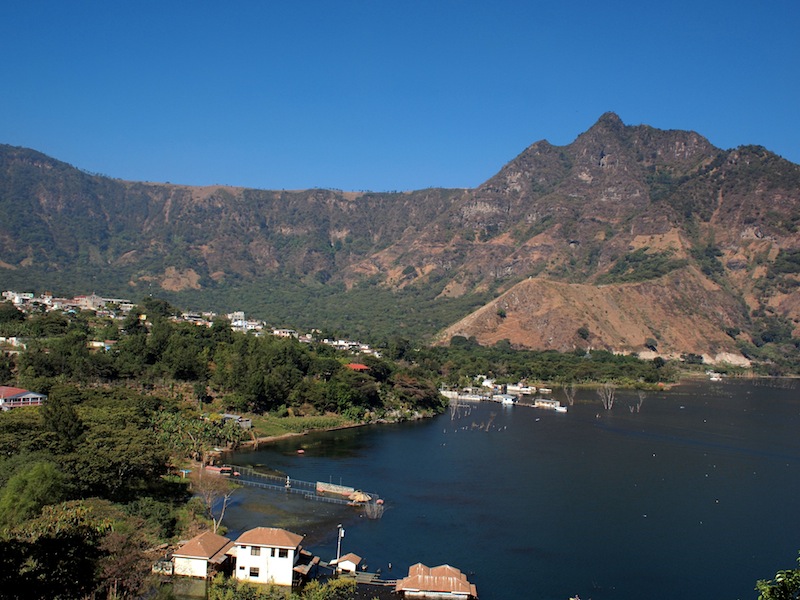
(382, 94)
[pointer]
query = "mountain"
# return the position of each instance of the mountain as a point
(629, 237)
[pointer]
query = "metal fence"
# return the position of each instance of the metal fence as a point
(308, 489)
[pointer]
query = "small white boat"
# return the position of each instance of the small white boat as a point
(545, 390)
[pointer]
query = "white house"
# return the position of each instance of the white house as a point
(12, 397)
(271, 555)
(347, 563)
(201, 556)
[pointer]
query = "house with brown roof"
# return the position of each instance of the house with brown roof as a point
(12, 397)
(202, 556)
(347, 563)
(271, 555)
(441, 583)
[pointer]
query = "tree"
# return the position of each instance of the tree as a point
(607, 392)
(10, 313)
(569, 392)
(56, 553)
(29, 489)
(214, 490)
(114, 461)
(229, 588)
(785, 585)
(334, 589)
(60, 417)
(126, 557)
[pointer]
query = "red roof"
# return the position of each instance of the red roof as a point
(357, 367)
(8, 392)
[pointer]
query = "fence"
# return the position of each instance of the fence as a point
(310, 490)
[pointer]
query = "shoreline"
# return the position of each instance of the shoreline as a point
(290, 434)
(686, 377)
(254, 443)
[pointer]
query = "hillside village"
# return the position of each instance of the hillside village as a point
(119, 308)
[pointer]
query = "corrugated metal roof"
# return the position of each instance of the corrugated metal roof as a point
(441, 579)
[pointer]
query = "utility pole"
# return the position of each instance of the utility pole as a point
(339, 536)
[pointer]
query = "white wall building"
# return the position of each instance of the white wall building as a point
(267, 555)
(201, 556)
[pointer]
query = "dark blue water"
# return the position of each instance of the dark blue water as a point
(694, 496)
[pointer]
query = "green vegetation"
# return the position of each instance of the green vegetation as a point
(368, 312)
(787, 262)
(458, 363)
(785, 585)
(83, 495)
(87, 481)
(707, 256)
(771, 345)
(641, 265)
(222, 588)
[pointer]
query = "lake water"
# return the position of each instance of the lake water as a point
(694, 496)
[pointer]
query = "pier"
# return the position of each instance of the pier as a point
(317, 491)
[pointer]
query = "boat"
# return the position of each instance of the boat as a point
(545, 390)
(331, 488)
(550, 404)
(506, 399)
(223, 470)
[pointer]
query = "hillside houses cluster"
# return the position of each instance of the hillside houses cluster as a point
(119, 308)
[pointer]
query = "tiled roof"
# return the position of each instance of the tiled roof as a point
(206, 545)
(441, 579)
(270, 536)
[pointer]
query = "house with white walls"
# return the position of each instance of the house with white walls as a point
(202, 556)
(271, 555)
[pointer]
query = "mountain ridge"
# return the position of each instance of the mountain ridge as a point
(620, 205)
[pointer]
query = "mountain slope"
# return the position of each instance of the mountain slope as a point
(634, 232)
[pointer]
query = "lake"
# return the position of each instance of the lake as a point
(695, 495)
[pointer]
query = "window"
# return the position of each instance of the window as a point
(283, 552)
(255, 550)
(254, 572)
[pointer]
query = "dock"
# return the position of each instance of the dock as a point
(311, 490)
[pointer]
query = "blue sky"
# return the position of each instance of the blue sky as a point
(382, 95)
